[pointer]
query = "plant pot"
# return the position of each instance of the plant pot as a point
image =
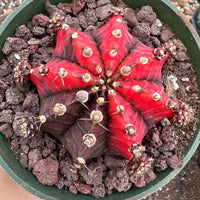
(183, 30)
(195, 19)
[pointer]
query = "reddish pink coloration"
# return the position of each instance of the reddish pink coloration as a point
(114, 37)
(151, 101)
(149, 70)
(54, 81)
(100, 84)
(121, 139)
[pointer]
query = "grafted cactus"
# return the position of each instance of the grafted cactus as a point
(102, 89)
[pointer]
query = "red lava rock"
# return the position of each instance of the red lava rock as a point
(103, 12)
(46, 53)
(155, 41)
(118, 179)
(31, 100)
(46, 152)
(91, 16)
(77, 5)
(103, 2)
(50, 142)
(13, 44)
(18, 121)
(93, 176)
(139, 181)
(73, 22)
(66, 7)
(23, 141)
(1, 98)
(83, 188)
(15, 144)
(91, 3)
(130, 16)
(181, 56)
(25, 148)
(73, 189)
(115, 162)
(37, 59)
(34, 156)
(121, 4)
(142, 32)
(7, 131)
(90, 28)
(46, 41)
(3, 86)
(23, 32)
(174, 162)
(82, 20)
(146, 15)
(99, 191)
(46, 171)
(6, 116)
(33, 143)
(53, 10)
(150, 176)
(166, 35)
(155, 29)
(166, 135)
(14, 96)
(40, 20)
(152, 151)
(160, 163)
(169, 146)
(61, 183)
(24, 160)
(33, 49)
(69, 171)
(18, 108)
(154, 138)
(38, 31)
(34, 41)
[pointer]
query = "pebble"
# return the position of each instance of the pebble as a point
(14, 96)
(13, 44)
(34, 156)
(6, 129)
(103, 11)
(46, 171)
(130, 16)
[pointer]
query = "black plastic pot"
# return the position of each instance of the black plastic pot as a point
(168, 14)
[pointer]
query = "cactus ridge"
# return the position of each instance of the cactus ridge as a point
(102, 89)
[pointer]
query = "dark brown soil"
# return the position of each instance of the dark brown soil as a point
(42, 153)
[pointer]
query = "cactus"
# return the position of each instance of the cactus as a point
(102, 89)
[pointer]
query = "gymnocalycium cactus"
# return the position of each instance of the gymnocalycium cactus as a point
(101, 89)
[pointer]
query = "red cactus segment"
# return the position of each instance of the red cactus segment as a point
(141, 64)
(79, 47)
(60, 49)
(126, 125)
(148, 98)
(87, 137)
(114, 43)
(62, 76)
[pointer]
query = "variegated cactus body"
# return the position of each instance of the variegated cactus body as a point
(102, 89)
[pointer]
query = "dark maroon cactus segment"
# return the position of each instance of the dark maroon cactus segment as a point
(87, 137)
(102, 89)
